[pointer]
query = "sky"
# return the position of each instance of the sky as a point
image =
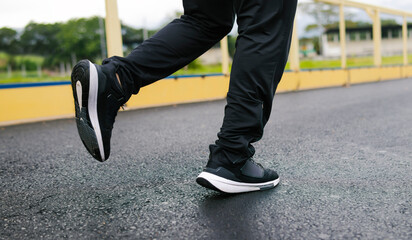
(151, 14)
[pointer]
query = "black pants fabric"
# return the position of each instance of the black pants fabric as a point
(262, 48)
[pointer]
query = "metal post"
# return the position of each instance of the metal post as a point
(377, 39)
(294, 50)
(68, 69)
(23, 70)
(342, 32)
(113, 30)
(38, 70)
(145, 32)
(374, 13)
(9, 71)
(102, 39)
(62, 69)
(74, 58)
(405, 41)
(225, 55)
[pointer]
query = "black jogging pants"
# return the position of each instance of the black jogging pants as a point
(262, 48)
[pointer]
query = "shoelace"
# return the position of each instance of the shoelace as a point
(113, 115)
(258, 164)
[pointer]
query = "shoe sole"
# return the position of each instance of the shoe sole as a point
(85, 91)
(220, 184)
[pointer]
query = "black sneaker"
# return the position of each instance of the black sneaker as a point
(97, 99)
(246, 177)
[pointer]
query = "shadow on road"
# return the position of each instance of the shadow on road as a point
(234, 216)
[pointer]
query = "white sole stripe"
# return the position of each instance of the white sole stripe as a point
(230, 186)
(92, 106)
(79, 91)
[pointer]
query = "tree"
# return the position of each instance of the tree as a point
(325, 16)
(389, 22)
(8, 40)
(80, 37)
(131, 37)
(231, 45)
(65, 42)
(40, 39)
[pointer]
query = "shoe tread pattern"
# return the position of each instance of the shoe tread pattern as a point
(84, 127)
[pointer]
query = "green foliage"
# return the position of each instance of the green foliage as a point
(327, 17)
(311, 27)
(231, 41)
(195, 64)
(31, 76)
(132, 37)
(323, 14)
(61, 42)
(202, 69)
(205, 69)
(48, 45)
(57, 42)
(316, 44)
(388, 22)
(16, 61)
(39, 39)
(332, 25)
(78, 38)
(352, 62)
(8, 38)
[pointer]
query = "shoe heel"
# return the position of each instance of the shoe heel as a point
(80, 83)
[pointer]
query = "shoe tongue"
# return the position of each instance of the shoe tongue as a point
(251, 169)
(110, 72)
(117, 91)
(116, 86)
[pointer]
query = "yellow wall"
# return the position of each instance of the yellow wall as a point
(290, 82)
(408, 71)
(325, 78)
(30, 104)
(35, 103)
(181, 90)
(388, 73)
(18, 105)
(363, 75)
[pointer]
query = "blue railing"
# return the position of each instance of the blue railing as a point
(59, 83)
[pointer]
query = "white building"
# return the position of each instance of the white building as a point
(359, 41)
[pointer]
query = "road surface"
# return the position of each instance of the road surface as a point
(344, 156)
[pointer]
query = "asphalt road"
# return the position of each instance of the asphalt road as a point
(344, 156)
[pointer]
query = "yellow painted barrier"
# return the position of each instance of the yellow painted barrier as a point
(290, 82)
(181, 90)
(319, 79)
(408, 71)
(389, 73)
(29, 104)
(364, 75)
(18, 105)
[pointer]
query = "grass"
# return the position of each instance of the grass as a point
(32, 76)
(4, 58)
(203, 69)
(33, 58)
(351, 61)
